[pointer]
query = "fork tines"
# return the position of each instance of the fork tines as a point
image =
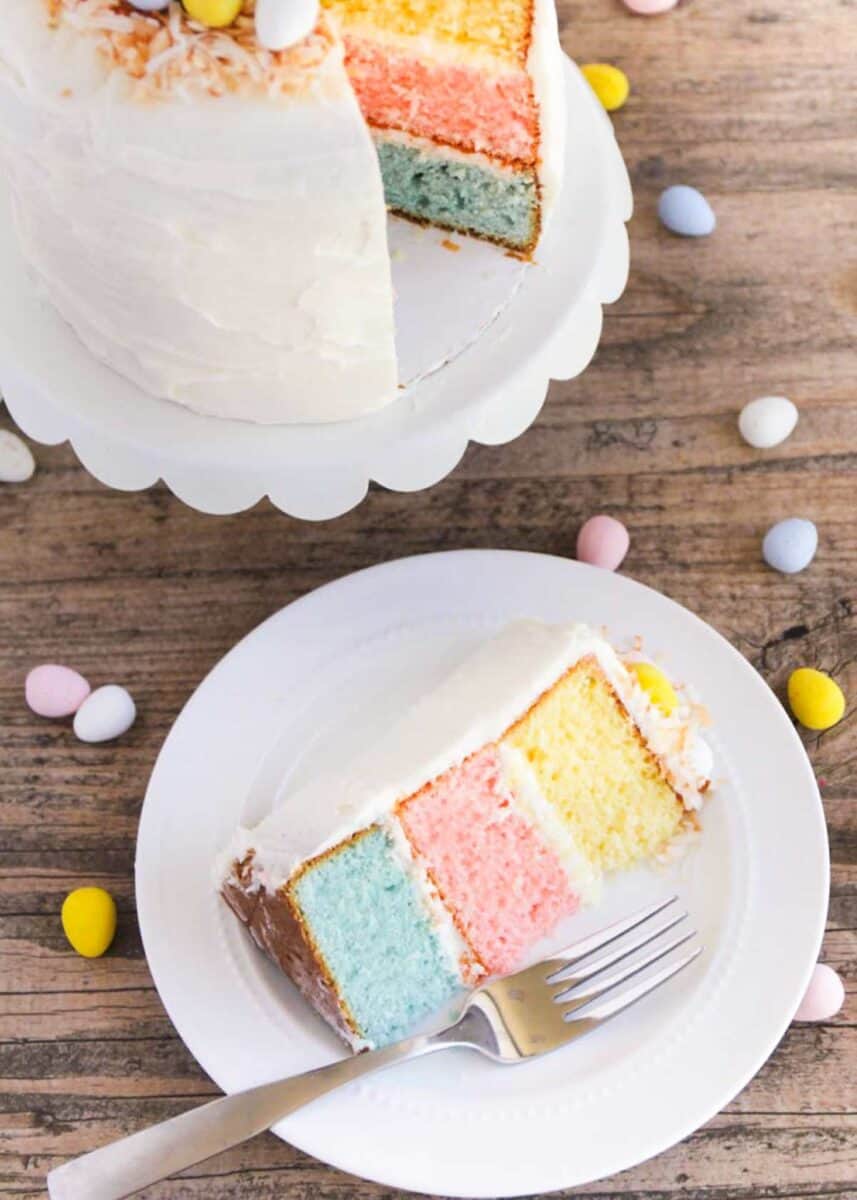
(581, 976)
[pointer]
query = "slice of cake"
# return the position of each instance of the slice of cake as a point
(208, 212)
(488, 813)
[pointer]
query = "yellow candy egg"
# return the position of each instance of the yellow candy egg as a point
(216, 14)
(815, 699)
(610, 85)
(89, 920)
(657, 687)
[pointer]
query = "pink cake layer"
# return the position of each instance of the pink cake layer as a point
(504, 887)
(457, 105)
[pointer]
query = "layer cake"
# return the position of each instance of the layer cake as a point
(209, 214)
(452, 847)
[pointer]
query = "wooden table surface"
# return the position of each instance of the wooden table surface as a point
(754, 102)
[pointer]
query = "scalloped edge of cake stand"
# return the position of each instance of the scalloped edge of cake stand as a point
(490, 393)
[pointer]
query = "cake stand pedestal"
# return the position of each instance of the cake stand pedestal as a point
(479, 334)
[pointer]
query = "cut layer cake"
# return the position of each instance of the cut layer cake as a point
(453, 846)
(209, 212)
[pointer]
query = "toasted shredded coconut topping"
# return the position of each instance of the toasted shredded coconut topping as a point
(167, 52)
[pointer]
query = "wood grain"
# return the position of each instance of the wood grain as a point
(754, 102)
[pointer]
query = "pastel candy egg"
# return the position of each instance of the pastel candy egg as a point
(104, 715)
(150, 5)
(216, 14)
(790, 545)
(610, 85)
(824, 997)
(16, 462)
(685, 211)
(649, 8)
(281, 23)
(603, 541)
(89, 920)
(656, 685)
(766, 422)
(52, 690)
(815, 699)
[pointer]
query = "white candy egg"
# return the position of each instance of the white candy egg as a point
(106, 714)
(767, 421)
(16, 462)
(282, 23)
(150, 5)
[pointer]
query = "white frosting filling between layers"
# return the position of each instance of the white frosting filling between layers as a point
(546, 67)
(473, 707)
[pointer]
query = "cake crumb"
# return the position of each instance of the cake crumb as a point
(449, 244)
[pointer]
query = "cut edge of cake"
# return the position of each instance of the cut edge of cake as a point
(470, 132)
(535, 664)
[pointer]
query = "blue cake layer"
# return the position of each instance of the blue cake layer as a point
(460, 195)
(371, 927)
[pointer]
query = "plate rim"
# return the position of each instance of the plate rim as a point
(680, 1130)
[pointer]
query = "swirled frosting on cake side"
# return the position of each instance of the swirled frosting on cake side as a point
(244, 274)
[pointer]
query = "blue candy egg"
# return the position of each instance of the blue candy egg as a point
(790, 545)
(685, 211)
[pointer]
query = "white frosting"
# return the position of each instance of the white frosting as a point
(473, 707)
(520, 779)
(453, 945)
(545, 64)
(226, 252)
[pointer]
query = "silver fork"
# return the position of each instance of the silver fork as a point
(510, 1020)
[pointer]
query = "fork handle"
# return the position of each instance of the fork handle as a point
(149, 1156)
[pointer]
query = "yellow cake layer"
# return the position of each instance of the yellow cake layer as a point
(500, 28)
(594, 769)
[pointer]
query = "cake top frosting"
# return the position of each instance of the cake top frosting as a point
(167, 52)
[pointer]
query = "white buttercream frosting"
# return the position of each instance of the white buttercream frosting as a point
(545, 64)
(228, 252)
(473, 707)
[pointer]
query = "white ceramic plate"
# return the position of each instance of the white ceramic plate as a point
(479, 337)
(323, 675)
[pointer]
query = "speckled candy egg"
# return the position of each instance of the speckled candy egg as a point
(766, 422)
(89, 920)
(16, 462)
(648, 8)
(105, 715)
(824, 997)
(610, 85)
(790, 545)
(52, 690)
(603, 541)
(656, 686)
(216, 14)
(685, 211)
(282, 23)
(815, 699)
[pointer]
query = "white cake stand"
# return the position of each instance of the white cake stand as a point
(479, 335)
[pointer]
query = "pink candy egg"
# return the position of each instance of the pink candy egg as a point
(55, 691)
(648, 8)
(824, 997)
(603, 541)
